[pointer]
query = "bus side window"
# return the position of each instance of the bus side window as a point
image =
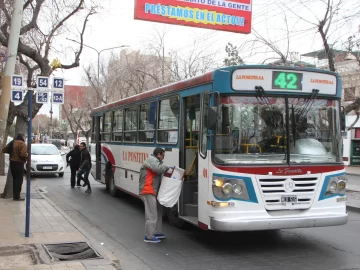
(130, 124)
(147, 122)
(118, 126)
(168, 122)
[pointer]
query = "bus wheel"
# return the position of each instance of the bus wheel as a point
(113, 190)
(173, 216)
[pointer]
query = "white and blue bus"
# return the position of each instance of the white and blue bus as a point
(261, 146)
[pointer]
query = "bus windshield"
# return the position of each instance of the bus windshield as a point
(253, 130)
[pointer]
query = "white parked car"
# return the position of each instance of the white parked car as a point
(46, 159)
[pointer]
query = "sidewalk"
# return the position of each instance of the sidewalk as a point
(48, 224)
(352, 170)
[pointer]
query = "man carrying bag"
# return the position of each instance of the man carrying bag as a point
(149, 182)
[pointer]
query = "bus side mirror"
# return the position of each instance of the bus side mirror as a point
(212, 117)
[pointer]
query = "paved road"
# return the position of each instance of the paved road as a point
(119, 222)
(353, 180)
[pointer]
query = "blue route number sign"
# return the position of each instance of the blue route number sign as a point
(42, 97)
(58, 83)
(17, 95)
(58, 98)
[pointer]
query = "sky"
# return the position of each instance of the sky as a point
(114, 25)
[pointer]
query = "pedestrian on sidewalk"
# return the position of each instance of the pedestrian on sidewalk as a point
(18, 155)
(149, 183)
(73, 158)
(85, 167)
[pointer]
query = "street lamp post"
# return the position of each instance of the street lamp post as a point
(98, 54)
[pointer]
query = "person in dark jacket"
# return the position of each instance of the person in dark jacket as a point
(18, 155)
(74, 163)
(85, 167)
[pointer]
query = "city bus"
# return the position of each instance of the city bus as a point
(261, 146)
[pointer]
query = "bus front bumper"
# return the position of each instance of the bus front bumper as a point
(277, 223)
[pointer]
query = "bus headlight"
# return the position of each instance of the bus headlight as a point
(336, 185)
(237, 189)
(333, 187)
(227, 188)
(218, 182)
(341, 185)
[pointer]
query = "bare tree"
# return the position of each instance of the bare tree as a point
(44, 23)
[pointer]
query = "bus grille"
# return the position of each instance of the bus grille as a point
(273, 191)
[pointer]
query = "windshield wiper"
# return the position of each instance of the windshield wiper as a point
(262, 97)
(307, 105)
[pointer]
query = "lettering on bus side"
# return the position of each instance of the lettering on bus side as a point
(138, 157)
(289, 171)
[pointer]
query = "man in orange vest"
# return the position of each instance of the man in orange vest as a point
(149, 184)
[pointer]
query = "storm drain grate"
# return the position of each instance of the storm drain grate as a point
(71, 251)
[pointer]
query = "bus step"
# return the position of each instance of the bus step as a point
(195, 198)
(191, 210)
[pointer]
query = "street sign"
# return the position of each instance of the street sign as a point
(58, 98)
(42, 97)
(17, 82)
(58, 84)
(17, 96)
(42, 83)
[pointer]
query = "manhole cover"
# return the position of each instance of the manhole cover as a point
(71, 251)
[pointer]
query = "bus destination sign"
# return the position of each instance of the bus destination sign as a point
(223, 15)
(284, 80)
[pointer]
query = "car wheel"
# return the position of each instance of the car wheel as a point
(113, 190)
(61, 174)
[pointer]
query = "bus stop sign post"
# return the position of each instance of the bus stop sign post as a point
(28, 165)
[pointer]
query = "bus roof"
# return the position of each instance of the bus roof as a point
(198, 80)
(195, 81)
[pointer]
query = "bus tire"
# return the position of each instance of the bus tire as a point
(113, 190)
(173, 217)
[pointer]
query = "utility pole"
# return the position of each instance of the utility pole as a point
(10, 66)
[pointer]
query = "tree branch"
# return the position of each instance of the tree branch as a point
(76, 62)
(56, 28)
(33, 23)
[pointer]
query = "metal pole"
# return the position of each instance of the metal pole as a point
(10, 66)
(28, 165)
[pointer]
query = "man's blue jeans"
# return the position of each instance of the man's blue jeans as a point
(84, 172)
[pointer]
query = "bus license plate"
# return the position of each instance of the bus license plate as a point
(289, 199)
(47, 168)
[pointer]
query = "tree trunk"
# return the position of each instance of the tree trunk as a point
(2, 156)
(8, 190)
(21, 125)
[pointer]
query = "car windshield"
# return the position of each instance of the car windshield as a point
(44, 150)
(253, 130)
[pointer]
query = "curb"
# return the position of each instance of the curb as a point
(352, 174)
(115, 262)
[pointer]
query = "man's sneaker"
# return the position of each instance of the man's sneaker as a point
(88, 191)
(160, 235)
(152, 240)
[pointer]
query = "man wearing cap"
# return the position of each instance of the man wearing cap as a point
(149, 184)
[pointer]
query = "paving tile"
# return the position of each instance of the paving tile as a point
(42, 266)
